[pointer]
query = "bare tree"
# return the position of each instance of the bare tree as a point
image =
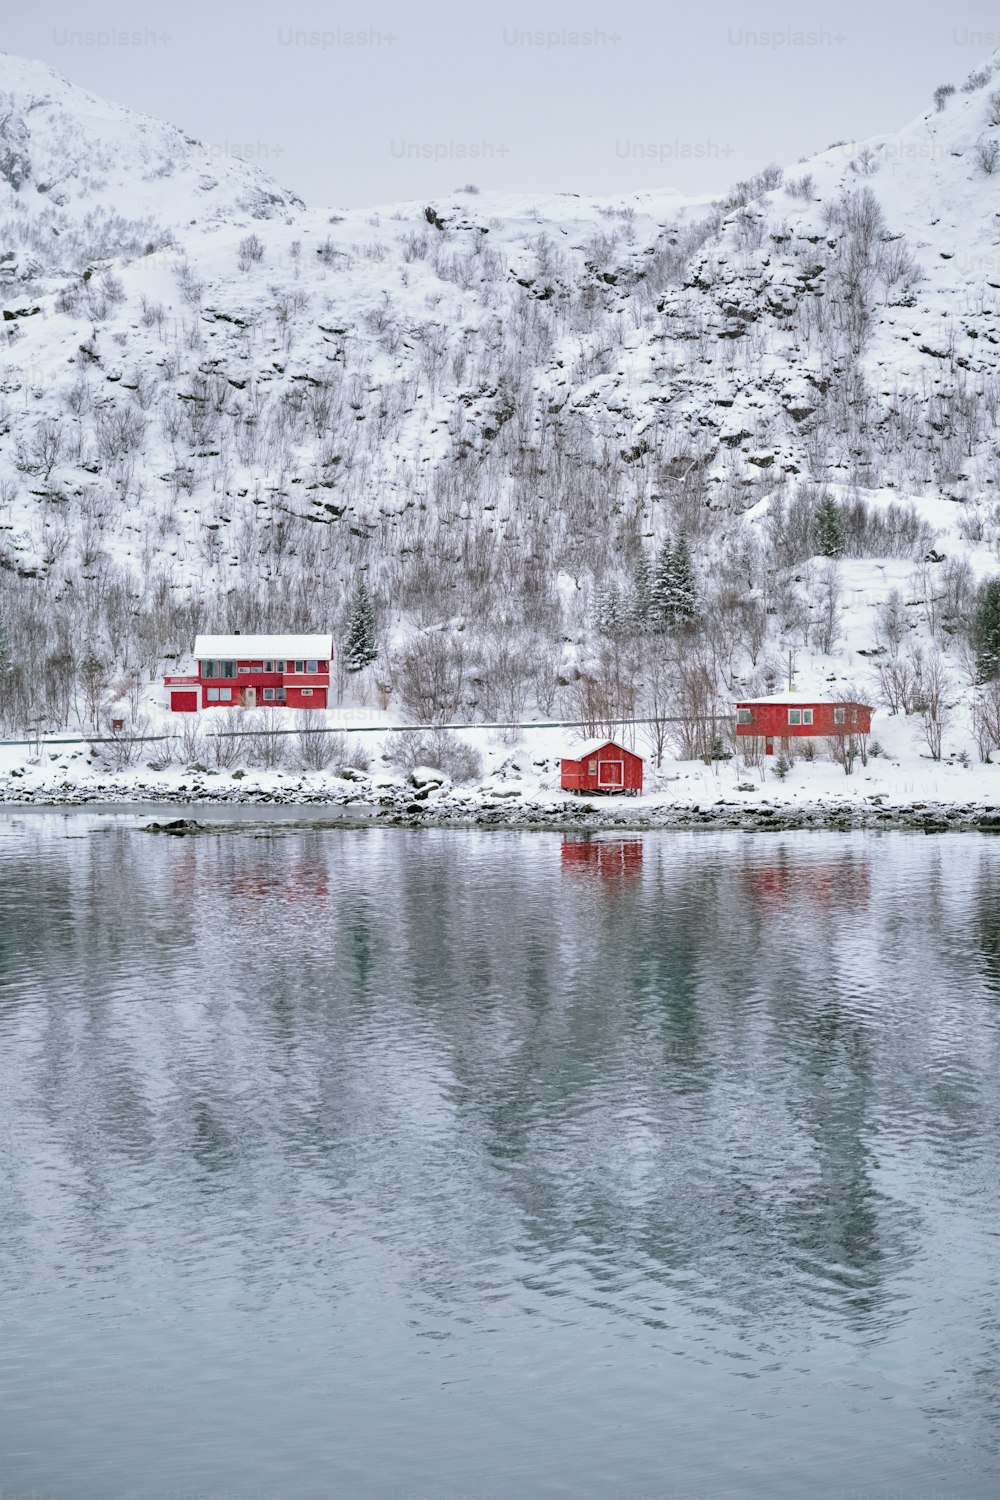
(986, 719)
(431, 677)
(657, 701)
(934, 686)
(826, 619)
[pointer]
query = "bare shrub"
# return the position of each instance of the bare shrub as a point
(431, 677)
(439, 749)
(977, 80)
(226, 745)
(251, 252)
(801, 187)
(264, 744)
(897, 680)
(993, 108)
(845, 749)
(942, 94)
(987, 155)
(192, 747)
(314, 749)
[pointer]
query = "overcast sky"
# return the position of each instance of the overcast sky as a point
(364, 103)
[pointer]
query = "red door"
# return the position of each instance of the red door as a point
(611, 773)
(184, 703)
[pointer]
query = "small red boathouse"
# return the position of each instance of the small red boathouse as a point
(602, 766)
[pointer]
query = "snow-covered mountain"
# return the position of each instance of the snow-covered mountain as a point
(221, 407)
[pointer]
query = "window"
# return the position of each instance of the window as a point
(298, 666)
(269, 666)
(210, 669)
(213, 695)
(269, 695)
(227, 669)
(592, 767)
(795, 716)
(307, 692)
(854, 716)
(244, 669)
(744, 716)
(281, 695)
(312, 666)
(225, 695)
(279, 666)
(807, 716)
(255, 668)
(839, 715)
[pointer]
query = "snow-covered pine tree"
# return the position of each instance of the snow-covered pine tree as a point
(828, 528)
(987, 631)
(685, 582)
(642, 595)
(610, 612)
(662, 590)
(361, 649)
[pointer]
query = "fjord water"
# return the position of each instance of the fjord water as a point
(379, 1163)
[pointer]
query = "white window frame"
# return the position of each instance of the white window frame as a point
(306, 692)
(840, 715)
(807, 716)
(225, 695)
(744, 716)
(212, 695)
(794, 717)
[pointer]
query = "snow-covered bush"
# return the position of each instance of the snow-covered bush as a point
(438, 748)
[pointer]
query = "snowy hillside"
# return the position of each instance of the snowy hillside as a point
(222, 409)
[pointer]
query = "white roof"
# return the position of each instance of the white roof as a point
(590, 747)
(794, 700)
(242, 647)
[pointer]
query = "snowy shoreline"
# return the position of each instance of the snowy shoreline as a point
(399, 804)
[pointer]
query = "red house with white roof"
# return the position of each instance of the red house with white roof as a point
(786, 716)
(254, 671)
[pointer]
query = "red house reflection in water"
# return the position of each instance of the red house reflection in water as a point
(779, 883)
(609, 859)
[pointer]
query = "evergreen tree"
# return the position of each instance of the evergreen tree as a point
(662, 591)
(361, 648)
(610, 612)
(828, 528)
(675, 588)
(685, 582)
(987, 631)
(642, 594)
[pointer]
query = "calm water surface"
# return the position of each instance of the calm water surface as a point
(393, 1164)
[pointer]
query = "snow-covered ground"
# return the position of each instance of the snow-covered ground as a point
(520, 782)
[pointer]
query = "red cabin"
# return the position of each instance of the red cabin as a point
(787, 716)
(602, 766)
(255, 671)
